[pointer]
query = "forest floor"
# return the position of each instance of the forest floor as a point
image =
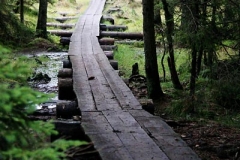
(209, 139)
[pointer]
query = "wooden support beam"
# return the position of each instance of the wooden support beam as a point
(65, 40)
(61, 33)
(114, 64)
(64, 19)
(109, 54)
(68, 129)
(105, 27)
(122, 35)
(67, 109)
(106, 41)
(65, 89)
(60, 25)
(108, 18)
(108, 47)
(65, 73)
(67, 64)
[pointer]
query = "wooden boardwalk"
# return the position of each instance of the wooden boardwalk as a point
(111, 116)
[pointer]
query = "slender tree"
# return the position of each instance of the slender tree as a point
(151, 66)
(22, 11)
(171, 60)
(41, 29)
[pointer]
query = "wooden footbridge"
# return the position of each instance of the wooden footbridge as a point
(111, 116)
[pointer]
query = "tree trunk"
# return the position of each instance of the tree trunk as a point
(194, 43)
(22, 11)
(171, 60)
(157, 16)
(42, 19)
(151, 66)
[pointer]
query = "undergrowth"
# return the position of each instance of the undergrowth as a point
(20, 137)
(217, 90)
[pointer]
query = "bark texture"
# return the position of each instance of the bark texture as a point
(42, 19)
(151, 66)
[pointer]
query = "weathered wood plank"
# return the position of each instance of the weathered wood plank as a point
(110, 147)
(120, 89)
(95, 123)
(141, 146)
(81, 85)
(122, 122)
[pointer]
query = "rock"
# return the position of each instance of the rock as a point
(40, 77)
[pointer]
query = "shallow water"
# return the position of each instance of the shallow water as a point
(51, 68)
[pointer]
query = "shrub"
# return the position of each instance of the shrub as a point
(20, 137)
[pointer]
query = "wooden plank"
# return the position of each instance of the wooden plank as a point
(140, 113)
(120, 89)
(95, 123)
(110, 146)
(141, 146)
(122, 122)
(96, 27)
(103, 96)
(81, 85)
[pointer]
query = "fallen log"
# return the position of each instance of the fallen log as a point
(106, 41)
(109, 47)
(67, 109)
(121, 35)
(109, 54)
(61, 33)
(60, 25)
(108, 18)
(105, 27)
(65, 89)
(65, 73)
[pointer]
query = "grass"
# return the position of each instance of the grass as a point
(177, 103)
(129, 14)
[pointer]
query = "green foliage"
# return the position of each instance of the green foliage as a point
(21, 138)
(127, 56)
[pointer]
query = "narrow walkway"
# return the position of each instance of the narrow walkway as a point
(111, 116)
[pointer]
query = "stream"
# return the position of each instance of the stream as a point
(49, 67)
